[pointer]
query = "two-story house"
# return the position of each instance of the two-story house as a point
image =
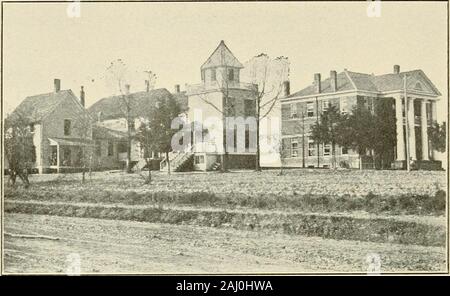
(60, 127)
(111, 125)
(344, 90)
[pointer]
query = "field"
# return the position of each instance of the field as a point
(301, 221)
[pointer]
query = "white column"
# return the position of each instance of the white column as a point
(424, 129)
(411, 130)
(433, 119)
(399, 121)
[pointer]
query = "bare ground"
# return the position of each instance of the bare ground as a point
(42, 244)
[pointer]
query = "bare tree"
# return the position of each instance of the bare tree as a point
(18, 145)
(268, 75)
(83, 125)
(119, 76)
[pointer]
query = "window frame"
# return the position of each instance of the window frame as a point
(110, 148)
(327, 104)
(67, 128)
(294, 151)
(312, 151)
(230, 74)
(326, 147)
(293, 110)
(310, 109)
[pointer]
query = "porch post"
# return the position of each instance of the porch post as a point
(411, 130)
(399, 124)
(424, 129)
(57, 158)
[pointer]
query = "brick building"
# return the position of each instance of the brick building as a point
(344, 90)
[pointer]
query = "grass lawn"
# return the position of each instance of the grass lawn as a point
(393, 192)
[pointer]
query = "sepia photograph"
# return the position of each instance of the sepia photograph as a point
(224, 138)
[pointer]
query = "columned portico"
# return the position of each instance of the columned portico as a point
(433, 119)
(411, 129)
(424, 129)
(399, 124)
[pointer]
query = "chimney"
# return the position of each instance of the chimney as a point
(286, 88)
(333, 81)
(82, 96)
(177, 88)
(127, 89)
(57, 84)
(396, 69)
(317, 83)
(147, 85)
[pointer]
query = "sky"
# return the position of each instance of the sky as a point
(41, 42)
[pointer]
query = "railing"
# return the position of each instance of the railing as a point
(178, 158)
(204, 87)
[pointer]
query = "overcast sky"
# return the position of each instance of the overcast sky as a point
(173, 39)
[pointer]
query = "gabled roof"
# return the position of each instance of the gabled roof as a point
(35, 108)
(221, 56)
(101, 132)
(343, 84)
(140, 103)
(349, 80)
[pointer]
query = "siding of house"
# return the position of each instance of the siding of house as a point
(53, 126)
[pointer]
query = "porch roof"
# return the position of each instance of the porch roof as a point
(70, 142)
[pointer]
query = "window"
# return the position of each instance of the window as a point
(294, 149)
(67, 127)
(247, 138)
(311, 148)
(199, 159)
(132, 125)
(293, 110)
(325, 105)
(33, 153)
(344, 150)
(32, 127)
(54, 157)
(310, 109)
(326, 150)
(249, 108)
(98, 148)
(122, 147)
(67, 156)
(344, 105)
(213, 74)
(230, 74)
(110, 148)
(231, 107)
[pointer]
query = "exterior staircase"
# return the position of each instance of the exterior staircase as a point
(178, 160)
(215, 166)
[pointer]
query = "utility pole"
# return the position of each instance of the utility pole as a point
(408, 168)
(303, 138)
(317, 121)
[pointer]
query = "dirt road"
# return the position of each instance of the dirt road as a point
(47, 244)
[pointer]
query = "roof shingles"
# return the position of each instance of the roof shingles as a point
(368, 82)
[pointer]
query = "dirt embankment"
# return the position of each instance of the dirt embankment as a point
(379, 229)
